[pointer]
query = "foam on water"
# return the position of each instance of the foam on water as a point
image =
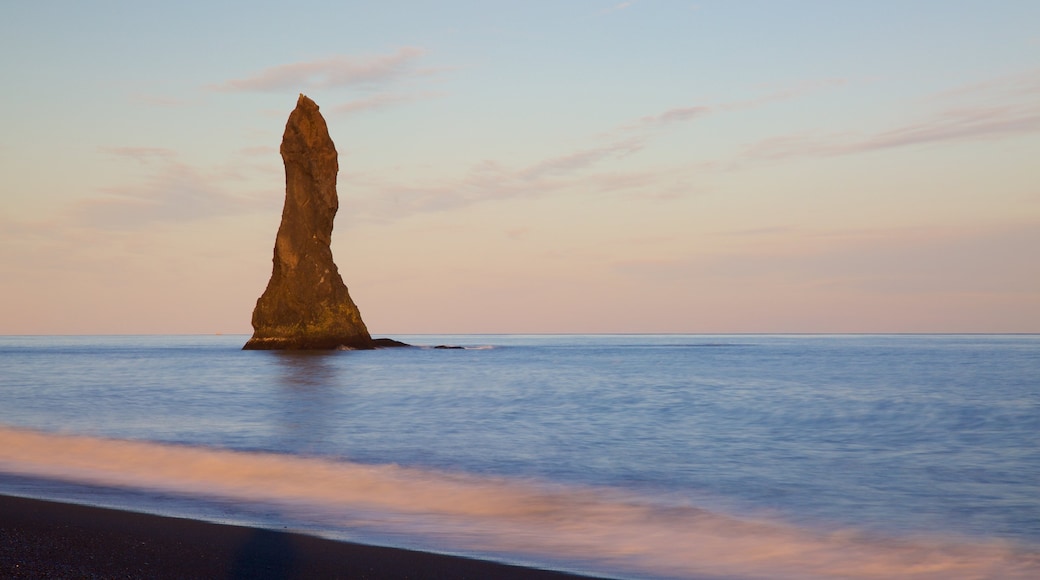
(583, 528)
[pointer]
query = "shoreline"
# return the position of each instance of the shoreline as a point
(48, 539)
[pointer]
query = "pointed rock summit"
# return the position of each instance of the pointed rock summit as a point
(306, 305)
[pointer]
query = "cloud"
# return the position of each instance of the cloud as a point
(952, 125)
(1025, 84)
(159, 101)
(787, 93)
(176, 193)
(676, 115)
(570, 162)
(333, 72)
(890, 261)
(518, 233)
(141, 154)
(260, 151)
(958, 125)
(754, 232)
(620, 6)
(683, 114)
(380, 101)
(491, 181)
(1006, 107)
(13, 232)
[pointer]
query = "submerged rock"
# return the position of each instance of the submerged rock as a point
(306, 304)
(387, 343)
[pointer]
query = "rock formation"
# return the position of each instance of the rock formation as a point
(306, 305)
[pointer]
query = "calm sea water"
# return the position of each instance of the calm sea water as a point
(649, 456)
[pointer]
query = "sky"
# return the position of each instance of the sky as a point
(574, 166)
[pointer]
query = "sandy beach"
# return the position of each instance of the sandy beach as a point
(42, 539)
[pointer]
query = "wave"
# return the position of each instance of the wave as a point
(597, 530)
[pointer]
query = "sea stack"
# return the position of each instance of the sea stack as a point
(306, 304)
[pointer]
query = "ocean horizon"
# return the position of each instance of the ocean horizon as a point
(622, 455)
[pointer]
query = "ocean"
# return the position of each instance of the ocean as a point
(630, 456)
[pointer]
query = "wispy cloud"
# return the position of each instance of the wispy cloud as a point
(952, 125)
(564, 164)
(13, 231)
(158, 100)
(957, 125)
(788, 92)
(579, 170)
(590, 169)
(677, 115)
(620, 6)
(175, 193)
(141, 154)
(333, 72)
(1001, 107)
(259, 151)
(1024, 84)
(492, 181)
(687, 113)
(518, 233)
(380, 101)
(886, 261)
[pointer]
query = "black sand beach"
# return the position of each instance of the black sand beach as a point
(42, 539)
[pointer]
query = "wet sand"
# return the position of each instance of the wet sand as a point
(42, 539)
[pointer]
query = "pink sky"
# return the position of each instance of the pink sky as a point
(594, 167)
